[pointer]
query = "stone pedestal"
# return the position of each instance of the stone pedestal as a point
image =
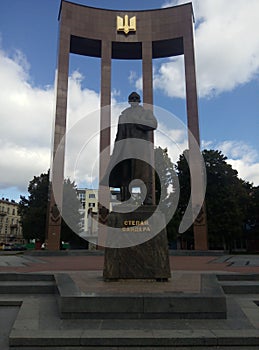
(148, 260)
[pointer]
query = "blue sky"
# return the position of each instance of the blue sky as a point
(227, 60)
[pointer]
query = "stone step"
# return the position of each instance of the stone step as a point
(133, 338)
(27, 287)
(238, 277)
(25, 277)
(19, 283)
(240, 287)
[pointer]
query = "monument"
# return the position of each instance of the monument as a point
(111, 34)
(127, 172)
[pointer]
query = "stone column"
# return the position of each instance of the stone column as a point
(147, 72)
(200, 224)
(57, 171)
(105, 135)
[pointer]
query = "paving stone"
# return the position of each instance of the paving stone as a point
(8, 315)
(10, 260)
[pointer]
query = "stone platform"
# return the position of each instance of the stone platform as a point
(91, 297)
(37, 319)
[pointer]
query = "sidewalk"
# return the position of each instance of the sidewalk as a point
(91, 262)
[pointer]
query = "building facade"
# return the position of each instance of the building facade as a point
(89, 205)
(10, 222)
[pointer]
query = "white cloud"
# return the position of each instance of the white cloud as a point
(206, 144)
(174, 140)
(26, 117)
(20, 164)
(242, 157)
(237, 149)
(25, 111)
(226, 46)
(132, 76)
(169, 77)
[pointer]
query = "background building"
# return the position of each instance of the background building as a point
(89, 205)
(10, 226)
(89, 208)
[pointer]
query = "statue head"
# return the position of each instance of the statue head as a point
(134, 99)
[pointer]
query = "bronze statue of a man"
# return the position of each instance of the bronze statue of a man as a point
(135, 122)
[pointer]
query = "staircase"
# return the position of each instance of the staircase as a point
(13, 283)
(239, 284)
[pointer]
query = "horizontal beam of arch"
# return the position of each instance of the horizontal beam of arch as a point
(126, 50)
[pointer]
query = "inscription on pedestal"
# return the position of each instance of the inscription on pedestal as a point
(136, 226)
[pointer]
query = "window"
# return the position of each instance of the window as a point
(91, 195)
(91, 205)
(13, 211)
(81, 196)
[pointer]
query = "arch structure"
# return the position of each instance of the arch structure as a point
(112, 34)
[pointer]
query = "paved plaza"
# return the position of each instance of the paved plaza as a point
(34, 320)
(43, 261)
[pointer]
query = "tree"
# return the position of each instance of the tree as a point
(251, 227)
(183, 172)
(164, 184)
(253, 210)
(71, 221)
(227, 197)
(33, 210)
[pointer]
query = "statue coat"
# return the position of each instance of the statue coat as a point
(134, 122)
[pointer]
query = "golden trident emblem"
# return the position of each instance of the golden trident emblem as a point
(128, 25)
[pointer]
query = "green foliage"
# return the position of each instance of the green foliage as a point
(33, 209)
(253, 209)
(252, 218)
(183, 172)
(167, 174)
(165, 188)
(71, 205)
(227, 197)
